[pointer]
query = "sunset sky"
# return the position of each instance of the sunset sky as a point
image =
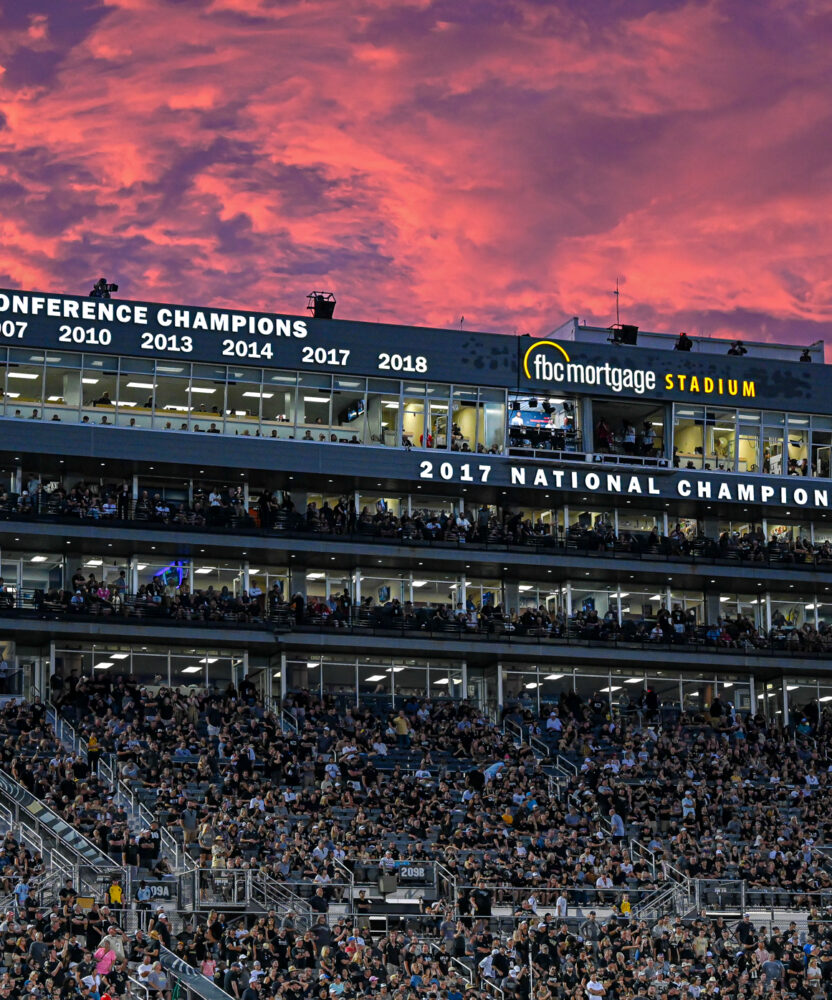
(503, 160)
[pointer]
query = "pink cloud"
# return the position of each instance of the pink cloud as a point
(504, 161)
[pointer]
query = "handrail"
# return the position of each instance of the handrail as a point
(201, 985)
(107, 770)
(288, 722)
(464, 969)
(440, 871)
(28, 809)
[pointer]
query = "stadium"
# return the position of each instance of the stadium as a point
(449, 663)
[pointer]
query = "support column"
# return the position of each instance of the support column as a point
(665, 524)
(768, 612)
(282, 677)
(133, 575)
(18, 479)
(246, 575)
(568, 600)
(712, 608)
(246, 495)
(499, 691)
(135, 490)
(785, 702)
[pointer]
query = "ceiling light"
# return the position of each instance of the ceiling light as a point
(258, 395)
(634, 680)
(611, 688)
(419, 583)
(311, 664)
(530, 686)
(442, 680)
(28, 375)
(524, 587)
(103, 666)
(94, 562)
(315, 576)
(54, 399)
(209, 659)
(191, 670)
(141, 385)
(316, 399)
(141, 566)
(375, 678)
(205, 569)
(119, 656)
(90, 381)
(552, 677)
(199, 388)
(38, 559)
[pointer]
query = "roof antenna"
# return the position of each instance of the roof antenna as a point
(461, 321)
(616, 293)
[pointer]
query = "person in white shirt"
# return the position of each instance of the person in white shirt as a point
(594, 988)
(554, 723)
(561, 905)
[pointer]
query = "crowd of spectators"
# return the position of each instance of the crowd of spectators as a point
(220, 506)
(656, 796)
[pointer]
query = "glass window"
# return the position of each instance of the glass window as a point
(797, 437)
(773, 442)
(349, 410)
(749, 606)
(382, 417)
(413, 423)
(278, 409)
(548, 423)
(688, 437)
(24, 384)
(821, 451)
(748, 442)
(466, 419)
(62, 388)
(625, 428)
(788, 611)
(313, 405)
(243, 399)
(492, 422)
(99, 390)
(172, 397)
(720, 431)
(134, 406)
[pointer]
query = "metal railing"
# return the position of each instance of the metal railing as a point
(190, 978)
(108, 772)
(704, 550)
